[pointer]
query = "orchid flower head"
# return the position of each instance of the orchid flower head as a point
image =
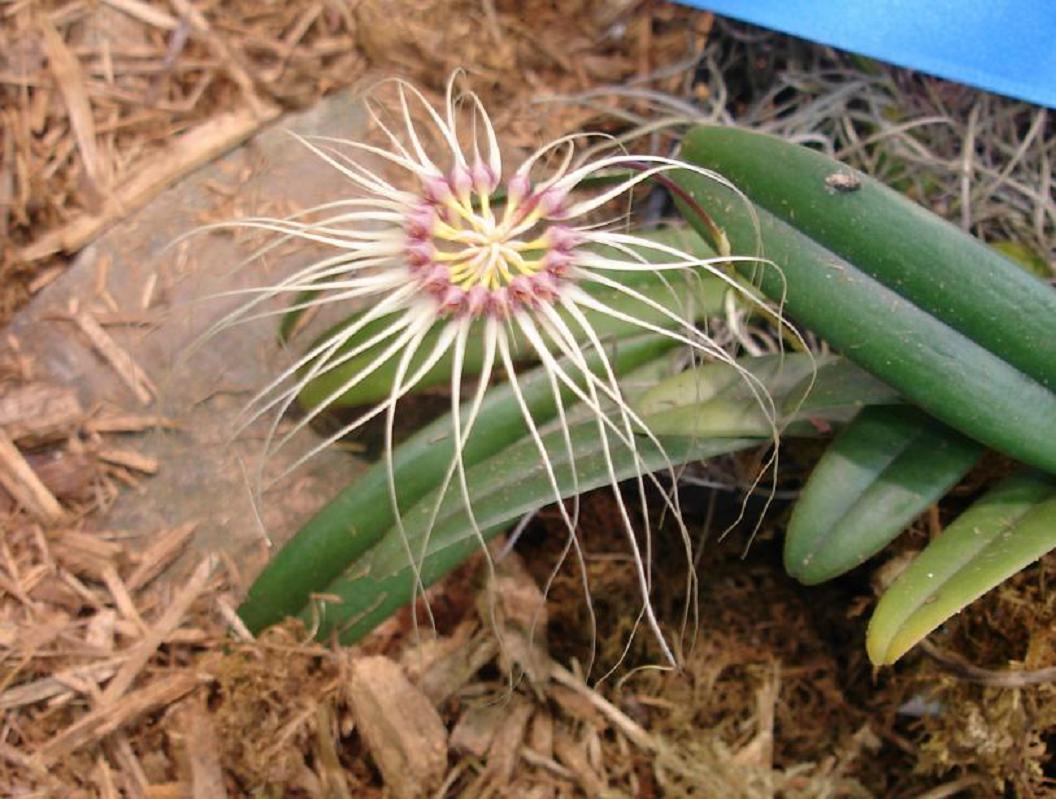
(448, 246)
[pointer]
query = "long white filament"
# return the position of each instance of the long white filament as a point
(371, 238)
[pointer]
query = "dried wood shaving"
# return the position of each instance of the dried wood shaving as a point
(133, 460)
(112, 715)
(36, 413)
(68, 75)
(401, 728)
(123, 364)
(197, 735)
(159, 555)
(173, 617)
(22, 483)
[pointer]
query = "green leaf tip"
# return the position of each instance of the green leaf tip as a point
(1008, 529)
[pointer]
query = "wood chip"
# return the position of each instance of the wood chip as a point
(24, 486)
(447, 664)
(67, 72)
(68, 475)
(620, 720)
(103, 778)
(573, 754)
(399, 726)
(155, 558)
(145, 13)
(231, 60)
(99, 632)
(541, 734)
(576, 706)
(129, 423)
(129, 459)
(476, 729)
(58, 683)
(168, 790)
(88, 543)
(118, 358)
(110, 716)
(136, 782)
(514, 603)
(36, 413)
(82, 561)
(201, 747)
(122, 598)
(506, 746)
(184, 154)
(45, 278)
(169, 621)
(146, 297)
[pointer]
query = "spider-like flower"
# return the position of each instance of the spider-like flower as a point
(460, 246)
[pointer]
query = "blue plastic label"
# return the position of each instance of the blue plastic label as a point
(1003, 46)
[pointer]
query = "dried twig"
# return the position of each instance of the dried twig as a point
(23, 484)
(183, 154)
(39, 412)
(67, 71)
(1000, 678)
(161, 630)
(127, 369)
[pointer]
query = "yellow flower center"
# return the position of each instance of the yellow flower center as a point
(474, 258)
(480, 250)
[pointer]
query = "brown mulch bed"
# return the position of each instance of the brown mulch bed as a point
(125, 672)
(93, 93)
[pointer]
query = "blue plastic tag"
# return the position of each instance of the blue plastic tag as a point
(1003, 46)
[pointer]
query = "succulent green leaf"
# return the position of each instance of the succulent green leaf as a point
(798, 393)
(355, 520)
(1025, 257)
(724, 399)
(979, 350)
(1009, 528)
(514, 482)
(882, 471)
(952, 276)
(839, 385)
(503, 489)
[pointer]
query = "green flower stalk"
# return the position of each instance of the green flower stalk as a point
(458, 250)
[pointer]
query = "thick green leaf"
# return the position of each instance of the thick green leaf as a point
(717, 399)
(514, 482)
(503, 489)
(932, 364)
(357, 518)
(881, 472)
(950, 275)
(805, 394)
(1009, 528)
(839, 385)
